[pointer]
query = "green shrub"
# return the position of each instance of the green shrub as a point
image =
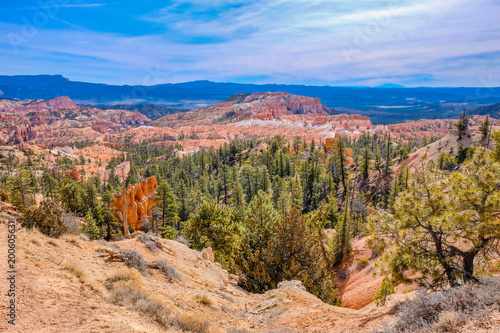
(385, 290)
(46, 218)
(362, 263)
(90, 228)
(169, 232)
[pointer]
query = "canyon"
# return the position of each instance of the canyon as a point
(59, 122)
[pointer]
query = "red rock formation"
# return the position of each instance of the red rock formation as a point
(140, 198)
(320, 120)
(20, 135)
(74, 174)
(62, 102)
(262, 106)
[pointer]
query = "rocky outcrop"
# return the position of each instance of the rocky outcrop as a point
(139, 200)
(208, 254)
(19, 135)
(259, 106)
(122, 170)
(62, 102)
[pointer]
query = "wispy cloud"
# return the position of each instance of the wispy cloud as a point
(284, 41)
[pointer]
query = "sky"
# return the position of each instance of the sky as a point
(431, 43)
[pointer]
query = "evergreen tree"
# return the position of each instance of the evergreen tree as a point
(386, 289)
(168, 206)
(21, 189)
(463, 124)
(211, 225)
(485, 128)
(438, 211)
(252, 260)
(365, 164)
(296, 255)
(342, 236)
(387, 168)
(90, 228)
(49, 185)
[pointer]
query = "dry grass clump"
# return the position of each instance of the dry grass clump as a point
(168, 270)
(155, 309)
(447, 311)
(127, 294)
(204, 299)
(133, 258)
(192, 323)
(450, 321)
(72, 240)
(149, 241)
(135, 298)
(77, 269)
(126, 274)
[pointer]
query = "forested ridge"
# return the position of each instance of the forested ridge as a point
(264, 205)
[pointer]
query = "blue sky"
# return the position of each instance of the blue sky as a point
(317, 42)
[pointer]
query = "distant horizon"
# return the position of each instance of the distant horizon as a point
(388, 85)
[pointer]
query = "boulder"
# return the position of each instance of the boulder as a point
(208, 254)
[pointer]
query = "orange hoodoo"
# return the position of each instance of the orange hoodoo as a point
(140, 199)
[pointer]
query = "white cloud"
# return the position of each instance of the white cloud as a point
(289, 41)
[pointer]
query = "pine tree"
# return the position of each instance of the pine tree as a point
(168, 205)
(296, 144)
(342, 237)
(211, 225)
(365, 163)
(385, 290)
(387, 168)
(378, 161)
(49, 185)
(341, 163)
(247, 181)
(252, 260)
(225, 181)
(21, 188)
(485, 128)
(90, 228)
(325, 217)
(438, 211)
(296, 255)
(463, 124)
(107, 198)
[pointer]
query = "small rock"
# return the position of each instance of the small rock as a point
(208, 254)
(293, 284)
